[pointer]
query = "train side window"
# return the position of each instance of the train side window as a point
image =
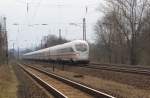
(61, 51)
(81, 47)
(70, 49)
(66, 50)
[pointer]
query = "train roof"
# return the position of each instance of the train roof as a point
(70, 43)
(58, 46)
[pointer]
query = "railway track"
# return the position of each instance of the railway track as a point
(61, 87)
(123, 65)
(119, 68)
(135, 69)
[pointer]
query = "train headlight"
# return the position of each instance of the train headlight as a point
(77, 54)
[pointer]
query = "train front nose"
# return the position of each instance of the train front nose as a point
(83, 51)
(83, 56)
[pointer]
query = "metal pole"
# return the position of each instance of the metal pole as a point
(41, 44)
(53, 68)
(18, 53)
(84, 22)
(14, 49)
(7, 55)
(47, 41)
(84, 28)
(59, 33)
(6, 40)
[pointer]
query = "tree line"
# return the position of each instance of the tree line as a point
(47, 41)
(50, 40)
(123, 33)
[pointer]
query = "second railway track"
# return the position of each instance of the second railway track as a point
(61, 87)
(136, 69)
(118, 68)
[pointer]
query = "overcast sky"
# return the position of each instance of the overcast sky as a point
(56, 13)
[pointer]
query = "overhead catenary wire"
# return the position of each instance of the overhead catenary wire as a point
(38, 4)
(32, 9)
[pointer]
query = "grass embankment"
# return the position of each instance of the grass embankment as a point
(8, 82)
(27, 87)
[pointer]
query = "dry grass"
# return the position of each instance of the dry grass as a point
(27, 87)
(8, 82)
(117, 89)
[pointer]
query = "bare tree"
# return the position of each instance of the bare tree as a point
(127, 21)
(51, 40)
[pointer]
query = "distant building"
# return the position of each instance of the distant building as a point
(3, 40)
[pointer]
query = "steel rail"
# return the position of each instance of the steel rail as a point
(135, 70)
(122, 65)
(114, 67)
(48, 87)
(88, 90)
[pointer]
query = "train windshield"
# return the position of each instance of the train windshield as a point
(81, 47)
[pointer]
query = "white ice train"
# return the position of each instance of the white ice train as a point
(75, 51)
